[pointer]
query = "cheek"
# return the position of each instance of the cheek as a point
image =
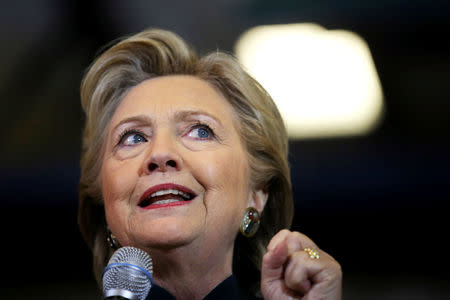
(227, 180)
(118, 183)
(110, 183)
(118, 178)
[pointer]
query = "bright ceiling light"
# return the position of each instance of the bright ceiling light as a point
(323, 81)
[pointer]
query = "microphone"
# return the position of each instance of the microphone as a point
(128, 275)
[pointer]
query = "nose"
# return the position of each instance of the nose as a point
(163, 155)
(162, 165)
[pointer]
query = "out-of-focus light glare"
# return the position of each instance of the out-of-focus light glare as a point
(323, 81)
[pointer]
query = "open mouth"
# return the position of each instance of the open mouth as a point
(165, 195)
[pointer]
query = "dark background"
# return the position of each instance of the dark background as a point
(378, 203)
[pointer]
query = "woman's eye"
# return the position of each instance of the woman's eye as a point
(132, 138)
(201, 132)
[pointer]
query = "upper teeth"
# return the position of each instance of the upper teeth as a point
(170, 191)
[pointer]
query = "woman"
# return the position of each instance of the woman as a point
(181, 153)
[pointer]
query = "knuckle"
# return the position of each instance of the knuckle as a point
(295, 261)
(266, 258)
(298, 234)
(284, 231)
(338, 268)
(333, 271)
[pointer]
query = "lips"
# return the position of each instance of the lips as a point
(165, 194)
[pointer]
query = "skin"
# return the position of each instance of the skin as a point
(179, 129)
(288, 272)
(186, 242)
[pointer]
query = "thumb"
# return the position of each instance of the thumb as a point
(273, 262)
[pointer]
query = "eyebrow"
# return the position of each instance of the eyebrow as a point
(185, 114)
(180, 115)
(141, 119)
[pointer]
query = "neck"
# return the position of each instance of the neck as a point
(190, 273)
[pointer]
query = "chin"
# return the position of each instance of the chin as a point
(166, 233)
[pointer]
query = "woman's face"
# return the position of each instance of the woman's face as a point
(175, 171)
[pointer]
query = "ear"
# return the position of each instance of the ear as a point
(258, 199)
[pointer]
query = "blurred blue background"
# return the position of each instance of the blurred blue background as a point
(379, 203)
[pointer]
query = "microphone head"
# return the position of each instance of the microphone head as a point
(128, 274)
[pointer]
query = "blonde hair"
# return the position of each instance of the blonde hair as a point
(154, 53)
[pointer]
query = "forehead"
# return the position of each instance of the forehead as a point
(169, 94)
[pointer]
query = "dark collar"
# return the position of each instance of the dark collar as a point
(227, 289)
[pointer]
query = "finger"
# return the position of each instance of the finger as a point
(297, 241)
(301, 270)
(276, 239)
(272, 267)
(273, 261)
(316, 278)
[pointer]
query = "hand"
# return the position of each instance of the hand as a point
(288, 272)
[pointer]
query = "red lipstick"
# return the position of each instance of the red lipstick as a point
(184, 194)
(171, 204)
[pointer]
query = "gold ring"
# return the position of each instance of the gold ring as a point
(314, 254)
